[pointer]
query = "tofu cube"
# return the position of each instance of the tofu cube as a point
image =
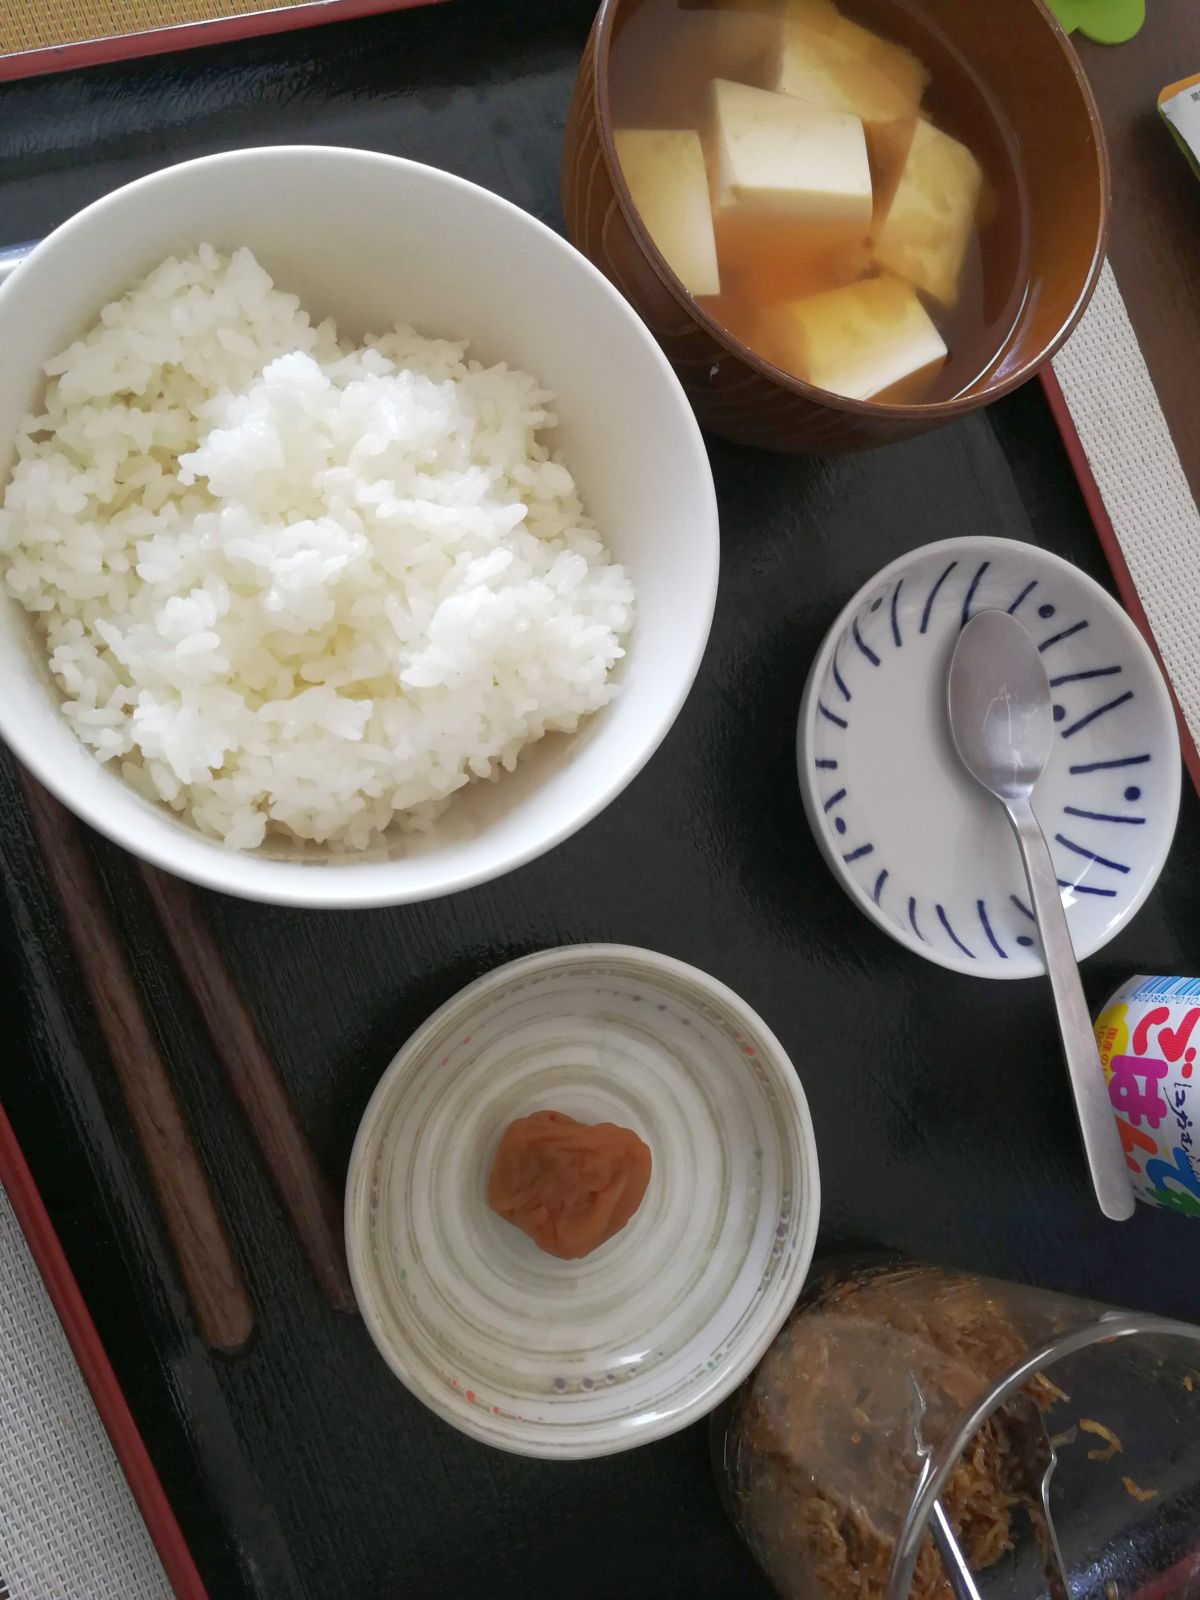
(843, 67)
(855, 341)
(665, 171)
(893, 60)
(738, 38)
(888, 144)
(924, 235)
(764, 262)
(855, 70)
(821, 14)
(772, 156)
(745, 39)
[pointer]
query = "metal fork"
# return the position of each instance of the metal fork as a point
(1036, 1459)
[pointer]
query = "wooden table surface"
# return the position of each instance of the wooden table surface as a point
(302, 1469)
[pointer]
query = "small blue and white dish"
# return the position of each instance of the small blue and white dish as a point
(912, 838)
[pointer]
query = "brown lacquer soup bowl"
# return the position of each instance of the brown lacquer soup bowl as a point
(1031, 93)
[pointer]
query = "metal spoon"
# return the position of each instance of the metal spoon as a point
(1003, 727)
(958, 1572)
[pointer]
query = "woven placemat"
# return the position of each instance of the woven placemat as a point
(69, 1527)
(45, 24)
(1110, 395)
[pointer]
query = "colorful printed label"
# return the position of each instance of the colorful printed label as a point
(1148, 1035)
(1179, 106)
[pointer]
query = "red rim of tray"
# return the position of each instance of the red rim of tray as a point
(1109, 543)
(189, 35)
(97, 1371)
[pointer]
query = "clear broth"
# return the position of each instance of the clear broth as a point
(664, 56)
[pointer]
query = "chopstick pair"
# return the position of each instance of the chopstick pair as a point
(307, 1196)
(214, 1279)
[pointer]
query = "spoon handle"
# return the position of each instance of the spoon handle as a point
(962, 1583)
(1101, 1142)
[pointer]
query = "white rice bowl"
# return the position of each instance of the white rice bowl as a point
(293, 587)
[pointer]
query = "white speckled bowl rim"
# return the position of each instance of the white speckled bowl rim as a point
(774, 1299)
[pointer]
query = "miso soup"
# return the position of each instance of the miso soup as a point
(831, 183)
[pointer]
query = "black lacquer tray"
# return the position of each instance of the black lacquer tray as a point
(944, 1125)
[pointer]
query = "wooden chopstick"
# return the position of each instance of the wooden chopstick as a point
(210, 1270)
(303, 1187)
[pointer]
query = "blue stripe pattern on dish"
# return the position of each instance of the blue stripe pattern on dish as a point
(866, 641)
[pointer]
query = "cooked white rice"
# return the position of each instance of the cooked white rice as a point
(288, 585)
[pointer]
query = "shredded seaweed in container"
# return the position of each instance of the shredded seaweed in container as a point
(1112, 1445)
(1041, 1382)
(829, 1454)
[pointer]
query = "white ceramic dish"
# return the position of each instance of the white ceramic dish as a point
(914, 840)
(372, 239)
(582, 1358)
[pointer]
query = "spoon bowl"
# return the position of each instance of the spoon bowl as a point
(1003, 726)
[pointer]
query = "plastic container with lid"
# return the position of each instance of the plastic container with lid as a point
(893, 1385)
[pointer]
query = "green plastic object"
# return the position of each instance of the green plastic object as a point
(1105, 21)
